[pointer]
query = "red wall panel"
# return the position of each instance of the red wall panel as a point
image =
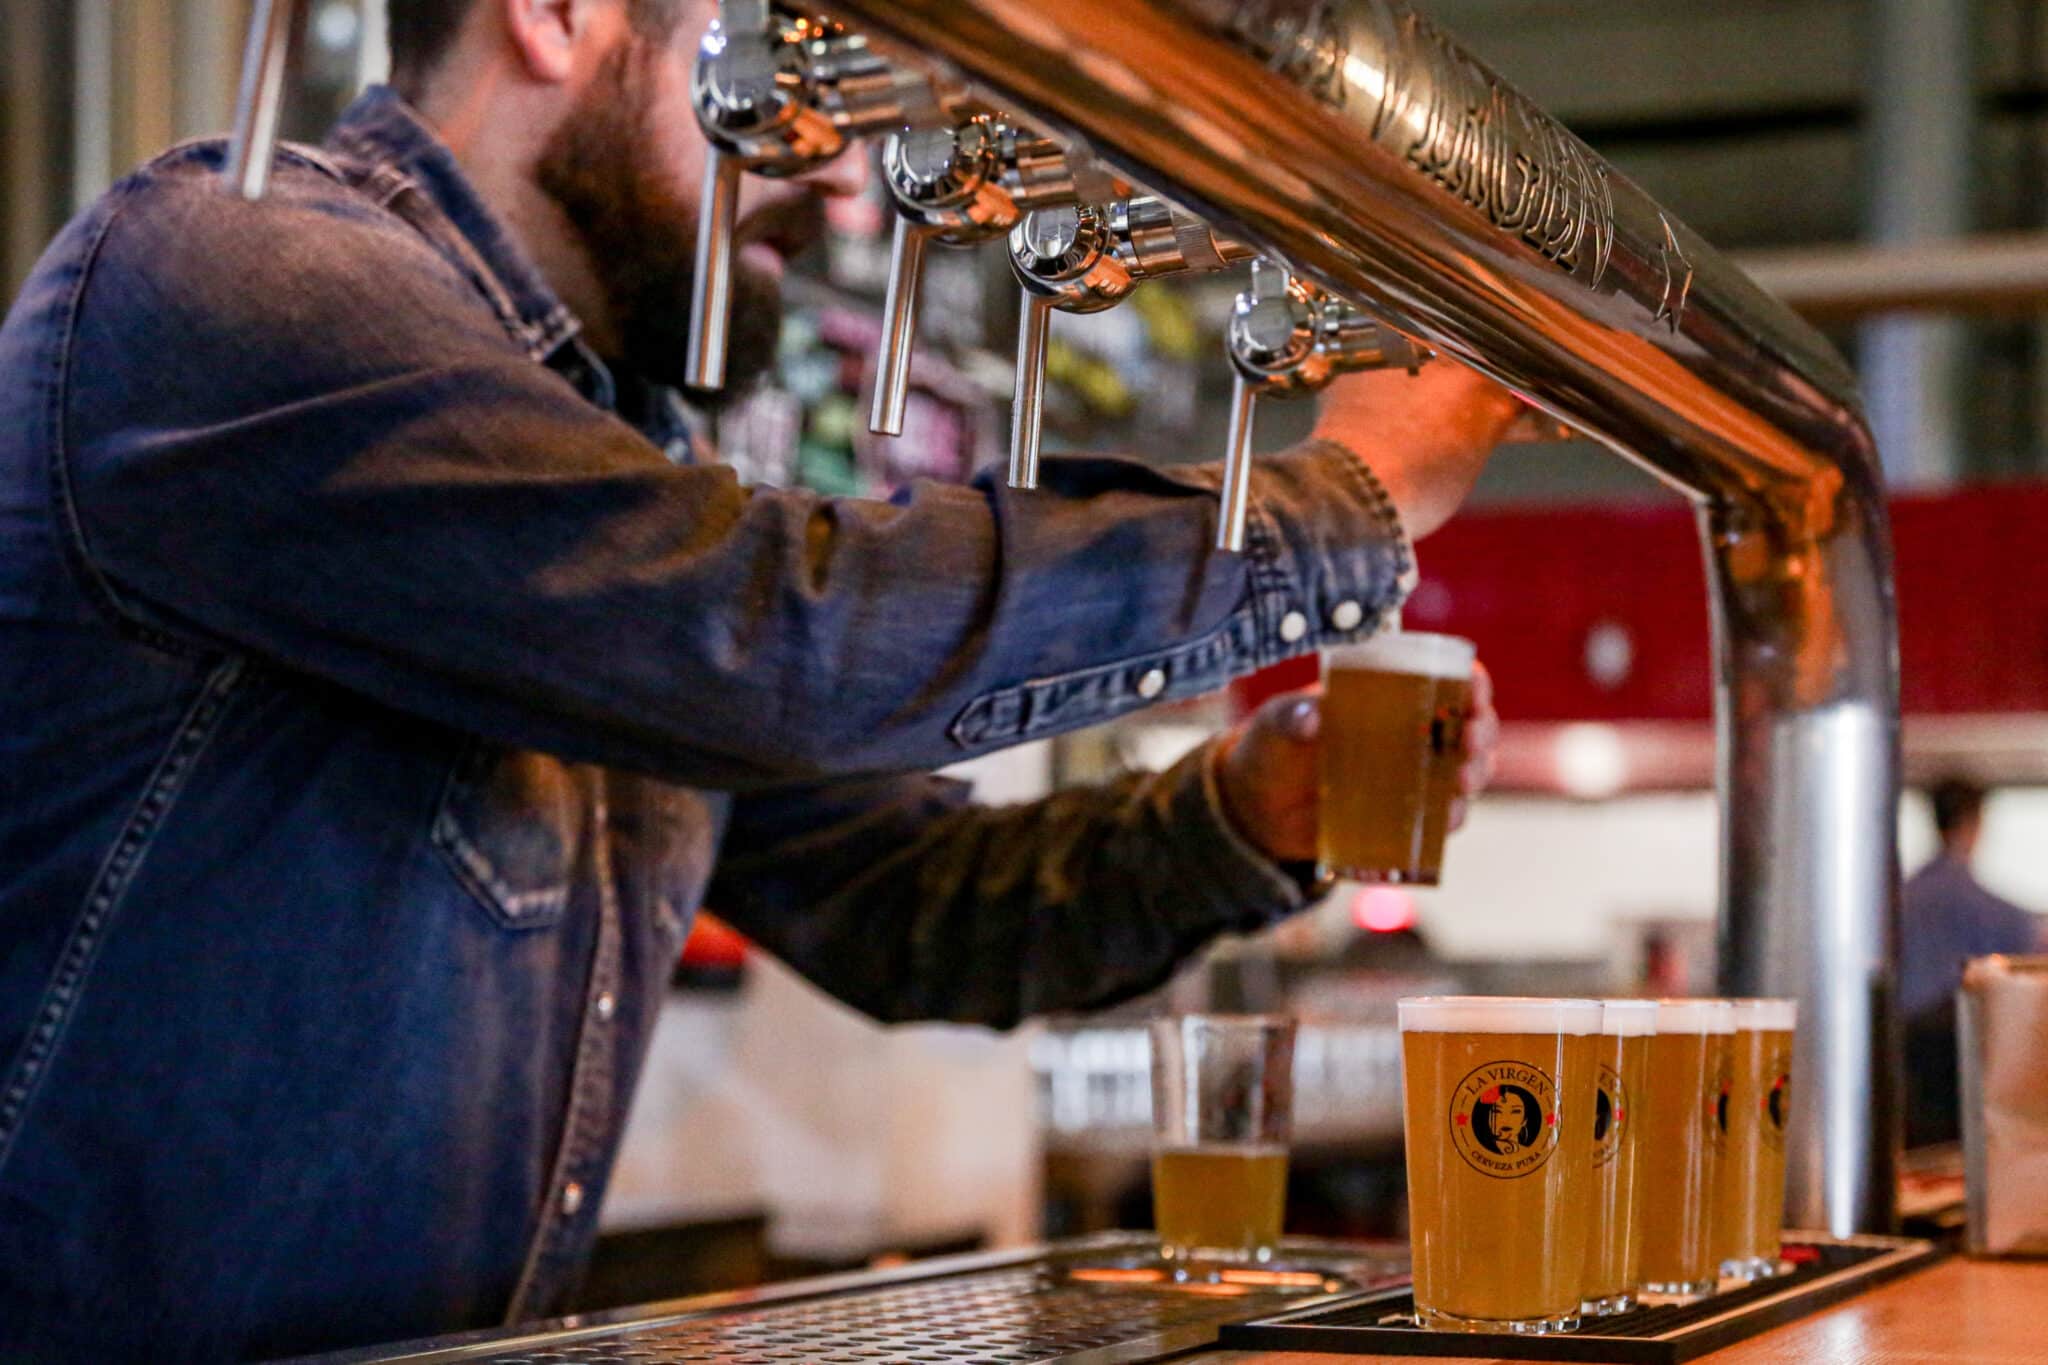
(1533, 586)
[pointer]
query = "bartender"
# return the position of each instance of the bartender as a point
(389, 677)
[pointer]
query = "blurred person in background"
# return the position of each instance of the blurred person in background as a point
(1948, 917)
(389, 681)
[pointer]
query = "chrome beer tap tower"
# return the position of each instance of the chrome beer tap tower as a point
(1402, 200)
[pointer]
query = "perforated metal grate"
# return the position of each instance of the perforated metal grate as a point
(1010, 1316)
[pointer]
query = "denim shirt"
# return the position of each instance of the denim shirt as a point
(380, 703)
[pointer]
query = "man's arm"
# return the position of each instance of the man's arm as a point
(899, 897)
(903, 900)
(293, 429)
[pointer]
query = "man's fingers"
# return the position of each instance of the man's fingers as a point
(1297, 716)
(1482, 735)
(1458, 812)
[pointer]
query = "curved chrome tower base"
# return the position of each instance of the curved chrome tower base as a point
(1359, 143)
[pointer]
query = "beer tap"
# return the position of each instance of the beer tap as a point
(962, 186)
(779, 95)
(1085, 258)
(260, 98)
(1287, 337)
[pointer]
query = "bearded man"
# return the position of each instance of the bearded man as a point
(388, 681)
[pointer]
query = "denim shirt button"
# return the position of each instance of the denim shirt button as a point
(607, 1006)
(572, 1198)
(1293, 626)
(1346, 615)
(1152, 684)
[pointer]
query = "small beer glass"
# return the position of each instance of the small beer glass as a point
(1222, 1114)
(1392, 741)
(1751, 1204)
(1498, 1104)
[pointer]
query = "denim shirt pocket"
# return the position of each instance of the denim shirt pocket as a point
(1067, 701)
(510, 826)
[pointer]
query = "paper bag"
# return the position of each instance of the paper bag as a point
(2002, 1034)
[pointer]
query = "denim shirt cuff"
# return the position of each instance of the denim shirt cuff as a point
(1326, 562)
(1242, 886)
(1331, 563)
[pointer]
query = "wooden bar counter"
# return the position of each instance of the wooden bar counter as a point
(1956, 1312)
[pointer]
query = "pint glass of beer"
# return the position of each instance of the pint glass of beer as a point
(1222, 1110)
(1393, 738)
(1498, 1114)
(1678, 1146)
(1613, 1251)
(1751, 1204)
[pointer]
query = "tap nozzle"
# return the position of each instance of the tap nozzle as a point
(253, 142)
(1286, 338)
(948, 185)
(778, 95)
(1084, 258)
(1271, 340)
(962, 186)
(1065, 258)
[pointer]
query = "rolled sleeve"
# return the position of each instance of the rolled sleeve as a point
(347, 467)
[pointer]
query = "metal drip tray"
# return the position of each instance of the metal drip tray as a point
(1014, 1308)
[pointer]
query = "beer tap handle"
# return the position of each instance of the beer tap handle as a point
(254, 140)
(1034, 327)
(899, 327)
(1237, 467)
(711, 289)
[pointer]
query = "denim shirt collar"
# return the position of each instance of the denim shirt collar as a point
(395, 150)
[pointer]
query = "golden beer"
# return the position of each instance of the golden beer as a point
(1392, 741)
(1219, 1201)
(1613, 1251)
(1750, 1204)
(1498, 1110)
(1222, 1112)
(1677, 1146)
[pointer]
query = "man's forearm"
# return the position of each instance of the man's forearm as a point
(907, 903)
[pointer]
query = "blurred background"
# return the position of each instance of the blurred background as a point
(777, 1132)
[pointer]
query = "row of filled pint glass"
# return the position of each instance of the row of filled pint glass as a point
(1565, 1156)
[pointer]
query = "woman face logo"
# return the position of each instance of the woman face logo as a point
(1507, 1119)
(1502, 1119)
(1778, 1102)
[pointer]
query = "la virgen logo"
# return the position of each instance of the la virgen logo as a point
(1777, 1100)
(1503, 1119)
(1610, 1115)
(1720, 1094)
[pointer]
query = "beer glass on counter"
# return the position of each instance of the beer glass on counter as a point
(1613, 1251)
(1222, 1110)
(1750, 1207)
(1392, 741)
(1678, 1146)
(1498, 1105)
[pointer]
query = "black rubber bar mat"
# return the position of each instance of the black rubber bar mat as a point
(1825, 1271)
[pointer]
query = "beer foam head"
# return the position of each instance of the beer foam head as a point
(1628, 1018)
(1407, 651)
(1767, 1016)
(1695, 1016)
(1497, 1014)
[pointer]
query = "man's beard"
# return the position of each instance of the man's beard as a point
(641, 234)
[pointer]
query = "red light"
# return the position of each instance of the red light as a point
(1383, 910)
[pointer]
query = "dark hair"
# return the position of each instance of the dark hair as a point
(1957, 801)
(420, 33)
